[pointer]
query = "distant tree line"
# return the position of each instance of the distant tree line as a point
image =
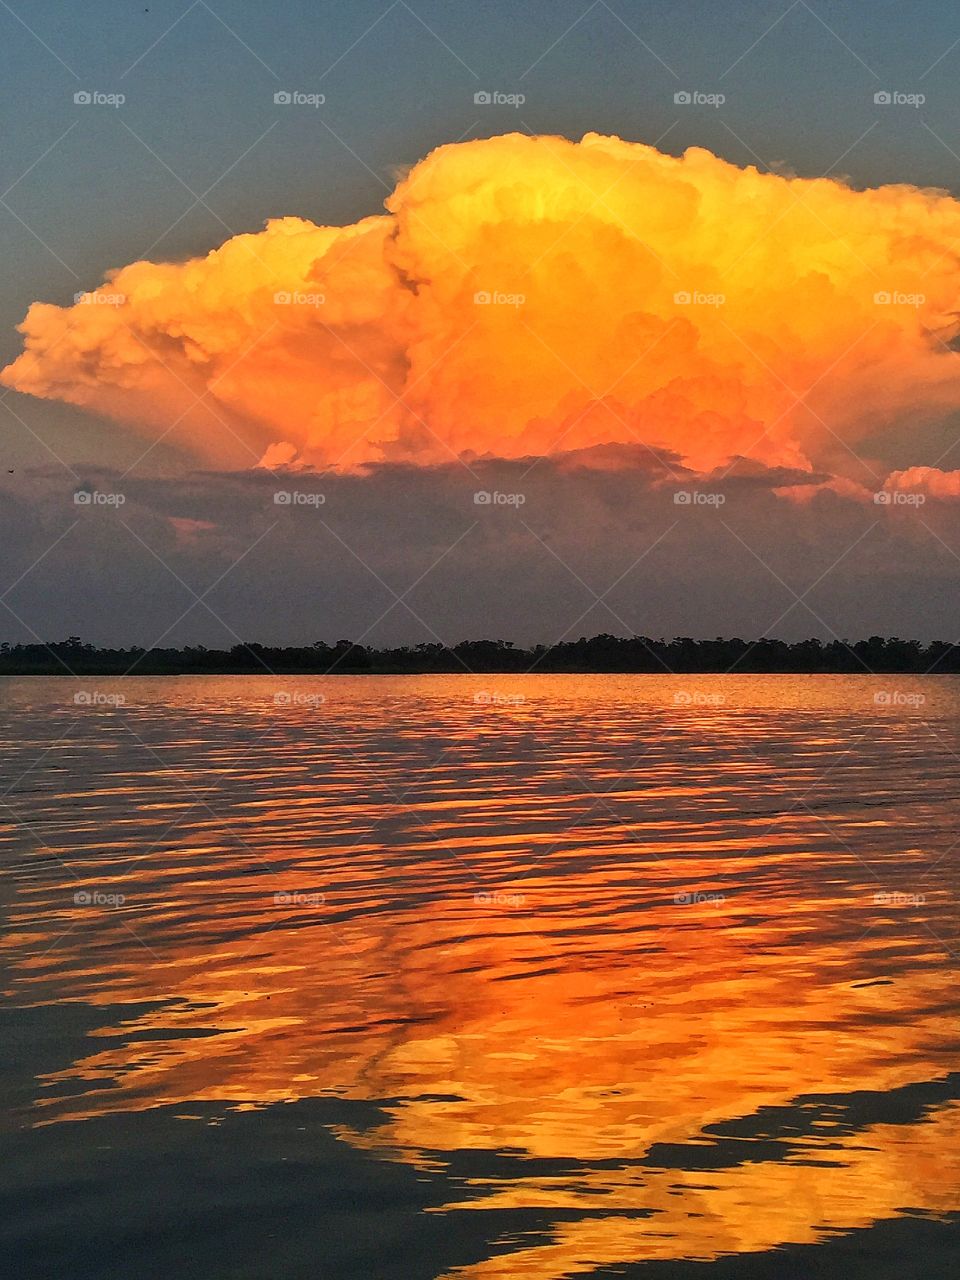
(603, 653)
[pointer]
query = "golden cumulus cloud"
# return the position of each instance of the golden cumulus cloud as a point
(531, 296)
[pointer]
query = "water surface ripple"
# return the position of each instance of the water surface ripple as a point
(562, 975)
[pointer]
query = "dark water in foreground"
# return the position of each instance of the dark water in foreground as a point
(590, 976)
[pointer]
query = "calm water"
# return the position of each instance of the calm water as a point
(480, 978)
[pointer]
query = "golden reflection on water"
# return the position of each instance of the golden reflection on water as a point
(681, 966)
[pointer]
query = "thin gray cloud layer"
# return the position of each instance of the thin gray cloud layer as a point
(526, 551)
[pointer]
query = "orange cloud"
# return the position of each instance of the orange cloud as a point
(531, 296)
(926, 480)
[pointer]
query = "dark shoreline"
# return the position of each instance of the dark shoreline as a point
(604, 654)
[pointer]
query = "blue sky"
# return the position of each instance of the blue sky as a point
(399, 79)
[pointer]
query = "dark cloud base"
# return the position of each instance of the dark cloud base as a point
(553, 550)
